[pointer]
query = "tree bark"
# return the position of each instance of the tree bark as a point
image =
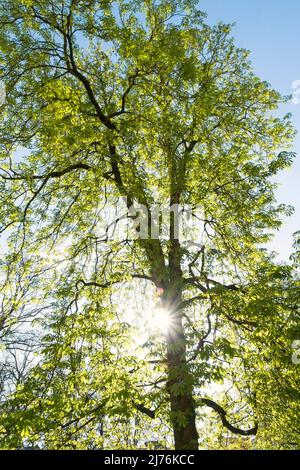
(180, 389)
(180, 381)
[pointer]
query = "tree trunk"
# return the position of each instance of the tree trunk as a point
(180, 381)
(180, 388)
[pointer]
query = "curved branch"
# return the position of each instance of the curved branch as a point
(52, 174)
(110, 283)
(225, 422)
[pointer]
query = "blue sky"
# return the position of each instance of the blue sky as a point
(270, 30)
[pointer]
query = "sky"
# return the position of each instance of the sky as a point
(270, 30)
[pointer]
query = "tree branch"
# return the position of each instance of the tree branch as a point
(222, 413)
(145, 410)
(52, 174)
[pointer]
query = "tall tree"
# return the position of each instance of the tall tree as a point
(139, 100)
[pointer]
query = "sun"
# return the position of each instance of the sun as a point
(158, 319)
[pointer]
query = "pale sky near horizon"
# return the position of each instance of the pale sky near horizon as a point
(270, 30)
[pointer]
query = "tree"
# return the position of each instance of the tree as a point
(143, 102)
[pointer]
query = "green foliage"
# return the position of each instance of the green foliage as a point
(140, 99)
